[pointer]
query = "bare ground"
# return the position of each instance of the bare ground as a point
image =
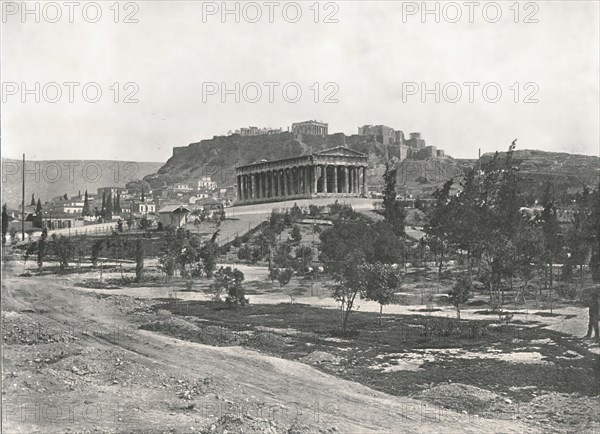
(76, 361)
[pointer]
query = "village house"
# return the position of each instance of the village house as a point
(173, 215)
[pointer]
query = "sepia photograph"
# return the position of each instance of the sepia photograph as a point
(290, 217)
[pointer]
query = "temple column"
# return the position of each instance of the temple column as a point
(357, 183)
(346, 174)
(271, 189)
(364, 181)
(285, 183)
(239, 187)
(307, 183)
(298, 180)
(325, 184)
(351, 179)
(315, 174)
(335, 179)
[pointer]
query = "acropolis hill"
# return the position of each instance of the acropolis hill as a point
(218, 157)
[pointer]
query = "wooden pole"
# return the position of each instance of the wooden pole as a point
(23, 202)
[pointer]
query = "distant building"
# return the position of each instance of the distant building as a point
(111, 190)
(339, 172)
(383, 134)
(173, 215)
(206, 183)
(143, 207)
(313, 128)
(255, 131)
(182, 187)
(416, 141)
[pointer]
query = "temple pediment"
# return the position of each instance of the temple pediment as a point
(340, 151)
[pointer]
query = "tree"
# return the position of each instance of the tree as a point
(550, 229)
(283, 277)
(304, 255)
(393, 211)
(32, 200)
(103, 208)
(208, 254)
(5, 220)
(351, 282)
(382, 281)
(229, 280)
(39, 218)
(108, 211)
(139, 259)
(459, 293)
(295, 234)
(41, 248)
(86, 205)
(62, 249)
(65, 196)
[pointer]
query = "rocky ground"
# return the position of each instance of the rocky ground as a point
(75, 360)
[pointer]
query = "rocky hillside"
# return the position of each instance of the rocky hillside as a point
(50, 178)
(565, 173)
(218, 157)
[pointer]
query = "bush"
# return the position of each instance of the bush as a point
(568, 292)
(295, 235)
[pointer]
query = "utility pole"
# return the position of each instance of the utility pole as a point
(23, 202)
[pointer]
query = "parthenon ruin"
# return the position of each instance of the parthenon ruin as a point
(334, 172)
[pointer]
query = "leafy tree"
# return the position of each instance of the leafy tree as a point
(97, 249)
(382, 281)
(65, 196)
(351, 281)
(304, 256)
(295, 234)
(393, 211)
(32, 203)
(62, 249)
(283, 277)
(282, 257)
(229, 280)
(459, 294)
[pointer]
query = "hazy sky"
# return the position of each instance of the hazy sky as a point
(372, 54)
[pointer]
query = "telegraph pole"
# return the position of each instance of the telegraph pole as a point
(23, 202)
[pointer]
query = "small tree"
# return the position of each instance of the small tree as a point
(86, 205)
(62, 249)
(283, 277)
(304, 256)
(230, 280)
(381, 284)
(295, 234)
(32, 203)
(460, 293)
(352, 280)
(42, 248)
(139, 259)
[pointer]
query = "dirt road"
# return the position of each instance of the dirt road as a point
(76, 362)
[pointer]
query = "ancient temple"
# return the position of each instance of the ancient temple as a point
(338, 172)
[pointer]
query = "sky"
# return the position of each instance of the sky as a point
(360, 63)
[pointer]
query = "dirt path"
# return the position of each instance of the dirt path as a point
(105, 374)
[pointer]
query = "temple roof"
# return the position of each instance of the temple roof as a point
(341, 151)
